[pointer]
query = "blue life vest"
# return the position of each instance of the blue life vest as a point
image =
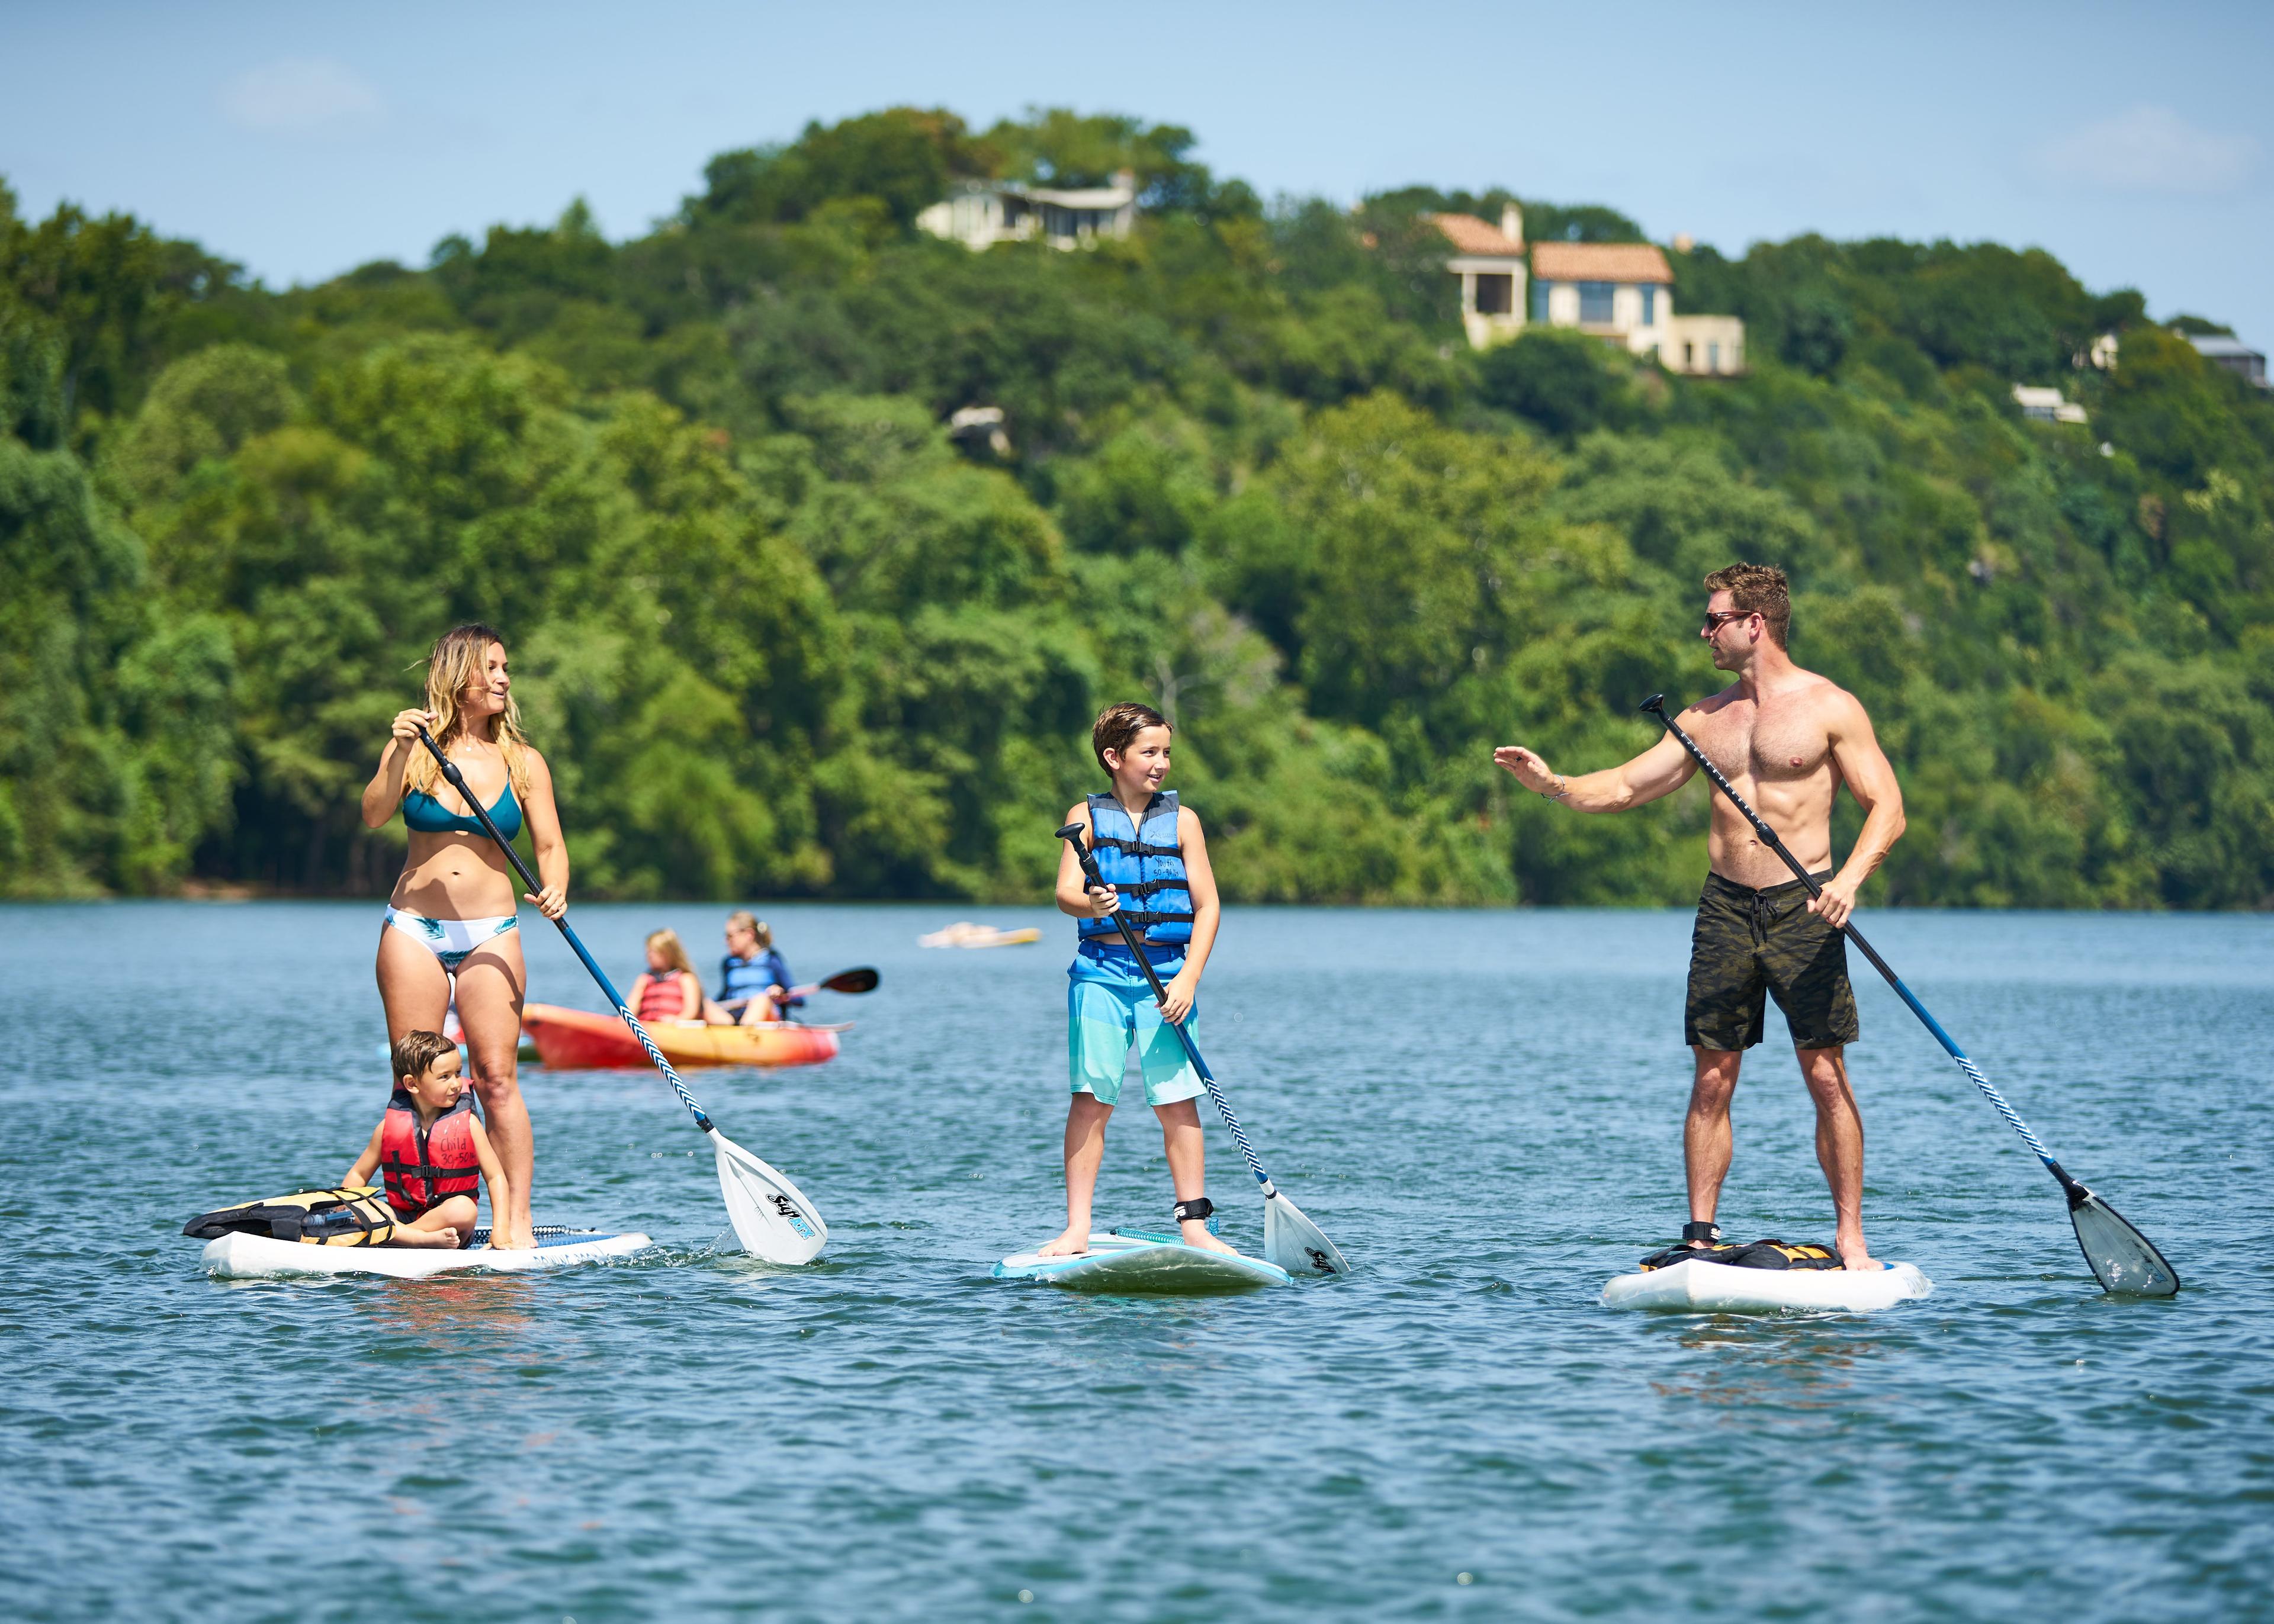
(747, 978)
(1146, 866)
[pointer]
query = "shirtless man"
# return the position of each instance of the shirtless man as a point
(1788, 740)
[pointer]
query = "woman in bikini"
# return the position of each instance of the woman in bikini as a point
(452, 916)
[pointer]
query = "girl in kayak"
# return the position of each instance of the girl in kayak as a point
(450, 921)
(1150, 850)
(431, 1149)
(668, 989)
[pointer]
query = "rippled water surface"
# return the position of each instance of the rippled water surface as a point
(1483, 1109)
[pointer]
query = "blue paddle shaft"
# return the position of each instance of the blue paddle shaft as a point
(457, 781)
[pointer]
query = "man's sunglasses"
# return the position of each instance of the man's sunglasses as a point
(1716, 619)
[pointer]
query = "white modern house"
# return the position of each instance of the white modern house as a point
(981, 213)
(1621, 292)
(2047, 405)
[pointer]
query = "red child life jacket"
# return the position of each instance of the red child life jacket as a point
(424, 1169)
(665, 999)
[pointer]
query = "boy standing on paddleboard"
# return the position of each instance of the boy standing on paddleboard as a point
(1150, 852)
(1788, 740)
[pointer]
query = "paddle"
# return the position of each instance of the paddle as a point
(844, 980)
(1290, 1239)
(771, 1215)
(2121, 1258)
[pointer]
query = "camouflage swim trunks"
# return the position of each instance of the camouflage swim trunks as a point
(1748, 944)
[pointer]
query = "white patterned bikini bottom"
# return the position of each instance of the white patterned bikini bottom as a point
(449, 940)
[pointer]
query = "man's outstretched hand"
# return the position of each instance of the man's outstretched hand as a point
(1529, 771)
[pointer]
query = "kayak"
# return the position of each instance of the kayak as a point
(1700, 1288)
(257, 1257)
(580, 1041)
(1136, 1262)
(964, 934)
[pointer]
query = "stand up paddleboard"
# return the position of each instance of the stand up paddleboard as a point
(1701, 1287)
(1134, 1262)
(259, 1257)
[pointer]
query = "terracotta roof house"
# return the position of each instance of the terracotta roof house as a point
(1489, 261)
(1622, 292)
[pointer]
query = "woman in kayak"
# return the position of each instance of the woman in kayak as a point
(451, 919)
(668, 989)
(754, 984)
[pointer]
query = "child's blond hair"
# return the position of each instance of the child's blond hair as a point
(674, 951)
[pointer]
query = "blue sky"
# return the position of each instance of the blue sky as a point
(2135, 142)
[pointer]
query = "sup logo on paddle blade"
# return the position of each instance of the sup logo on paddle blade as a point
(787, 1208)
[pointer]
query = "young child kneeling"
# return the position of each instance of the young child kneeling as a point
(430, 1148)
(1150, 848)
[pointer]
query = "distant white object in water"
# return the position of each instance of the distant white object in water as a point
(963, 933)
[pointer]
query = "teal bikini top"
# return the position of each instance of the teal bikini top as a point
(423, 813)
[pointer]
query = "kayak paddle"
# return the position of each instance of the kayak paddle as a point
(771, 1215)
(2121, 1258)
(1290, 1239)
(844, 980)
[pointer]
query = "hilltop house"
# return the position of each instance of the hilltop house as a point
(2048, 406)
(981, 213)
(1622, 292)
(2224, 349)
(1490, 264)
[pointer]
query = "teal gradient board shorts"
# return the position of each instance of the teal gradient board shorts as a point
(1108, 1007)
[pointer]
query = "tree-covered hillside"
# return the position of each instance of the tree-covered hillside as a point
(779, 632)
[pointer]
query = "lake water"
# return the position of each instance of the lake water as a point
(1483, 1109)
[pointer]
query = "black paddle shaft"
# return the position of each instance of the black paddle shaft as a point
(1656, 705)
(1073, 834)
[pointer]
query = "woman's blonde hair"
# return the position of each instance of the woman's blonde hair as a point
(674, 950)
(743, 918)
(453, 666)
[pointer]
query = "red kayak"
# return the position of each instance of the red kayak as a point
(579, 1041)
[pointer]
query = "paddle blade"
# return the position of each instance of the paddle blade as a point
(771, 1215)
(2123, 1259)
(1295, 1244)
(851, 981)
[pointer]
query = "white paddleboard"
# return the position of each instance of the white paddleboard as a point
(257, 1257)
(1135, 1261)
(1701, 1287)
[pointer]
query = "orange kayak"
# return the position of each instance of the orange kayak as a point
(579, 1041)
